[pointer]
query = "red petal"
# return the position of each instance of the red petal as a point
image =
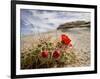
(65, 39)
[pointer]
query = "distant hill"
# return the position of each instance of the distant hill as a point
(74, 24)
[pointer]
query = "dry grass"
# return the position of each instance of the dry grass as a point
(74, 57)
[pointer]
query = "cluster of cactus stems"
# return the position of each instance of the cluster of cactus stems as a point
(48, 55)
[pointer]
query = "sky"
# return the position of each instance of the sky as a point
(37, 21)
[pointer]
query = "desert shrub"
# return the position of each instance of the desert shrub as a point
(47, 54)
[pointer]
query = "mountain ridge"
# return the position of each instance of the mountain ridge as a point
(74, 24)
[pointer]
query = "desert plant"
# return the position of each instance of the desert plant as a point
(46, 55)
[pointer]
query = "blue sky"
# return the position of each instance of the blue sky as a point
(34, 21)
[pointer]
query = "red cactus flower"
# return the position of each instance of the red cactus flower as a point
(44, 54)
(56, 54)
(65, 39)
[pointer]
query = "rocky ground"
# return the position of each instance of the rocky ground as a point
(80, 39)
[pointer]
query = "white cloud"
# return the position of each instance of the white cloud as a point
(49, 20)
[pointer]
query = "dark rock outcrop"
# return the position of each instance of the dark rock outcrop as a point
(74, 24)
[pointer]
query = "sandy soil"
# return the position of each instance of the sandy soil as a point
(80, 39)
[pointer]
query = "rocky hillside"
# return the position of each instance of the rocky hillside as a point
(74, 24)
